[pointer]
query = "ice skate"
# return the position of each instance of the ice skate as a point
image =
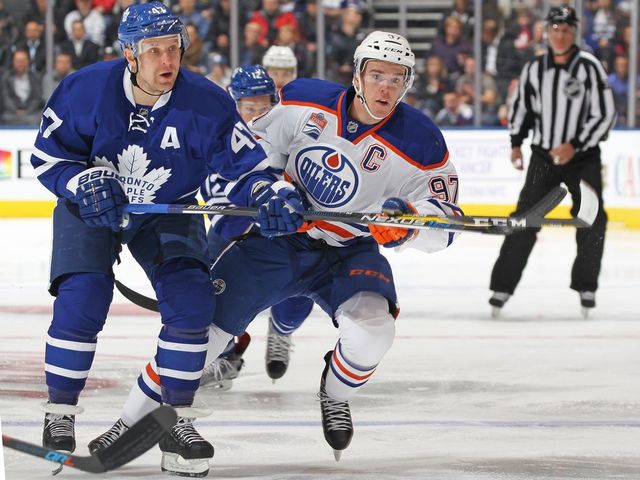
(278, 351)
(220, 373)
(497, 301)
(587, 301)
(107, 438)
(184, 452)
(59, 429)
(336, 417)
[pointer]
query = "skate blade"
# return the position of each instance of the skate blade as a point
(174, 464)
(221, 386)
(495, 312)
(585, 313)
(337, 454)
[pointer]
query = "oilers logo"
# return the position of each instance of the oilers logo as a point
(327, 175)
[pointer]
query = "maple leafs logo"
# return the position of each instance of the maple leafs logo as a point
(139, 184)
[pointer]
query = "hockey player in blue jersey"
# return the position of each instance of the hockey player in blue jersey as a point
(341, 149)
(137, 130)
(255, 94)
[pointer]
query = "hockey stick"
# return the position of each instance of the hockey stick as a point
(535, 213)
(134, 442)
(136, 298)
(480, 224)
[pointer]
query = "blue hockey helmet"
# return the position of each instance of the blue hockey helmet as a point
(149, 20)
(252, 81)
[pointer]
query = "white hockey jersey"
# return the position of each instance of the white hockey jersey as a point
(342, 165)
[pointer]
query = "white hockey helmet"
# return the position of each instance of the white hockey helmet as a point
(279, 57)
(388, 47)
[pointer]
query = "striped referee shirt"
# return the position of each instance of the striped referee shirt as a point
(570, 103)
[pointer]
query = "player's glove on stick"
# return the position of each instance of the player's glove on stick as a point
(100, 198)
(279, 209)
(390, 237)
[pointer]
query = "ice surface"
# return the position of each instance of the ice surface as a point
(538, 394)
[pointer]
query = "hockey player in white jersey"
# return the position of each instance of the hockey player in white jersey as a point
(281, 64)
(354, 149)
(341, 149)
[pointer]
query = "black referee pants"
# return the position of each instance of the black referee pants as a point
(542, 176)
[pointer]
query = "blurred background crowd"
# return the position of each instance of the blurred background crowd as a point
(440, 31)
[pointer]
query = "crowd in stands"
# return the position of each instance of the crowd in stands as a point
(86, 32)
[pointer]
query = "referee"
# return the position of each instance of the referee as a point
(563, 96)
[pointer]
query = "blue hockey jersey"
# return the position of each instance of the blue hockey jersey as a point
(162, 153)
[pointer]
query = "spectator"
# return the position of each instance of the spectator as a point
(8, 34)
(307, 28)
(603, 32)
(623, 43)
(513, 53)
(105, 7)
(187, 13)
(619, 83)
(62, 66)
(538, 42)
(93, 20)
(503, 109)
(342, 45)
(113, 22)
(82, 50)
(288, 36)
(451, 45)
(522, 29)
(413, 99)
(465, 86)
(218, 36)
(463, 11)
(37, 13)
(455, 113)
(21, 92)
(195, 57)
(436, 83)
(270, 18)
(34, 44)
(490, 42)
(219, 71)
(252, 49)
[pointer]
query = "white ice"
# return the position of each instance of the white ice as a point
(538, 394)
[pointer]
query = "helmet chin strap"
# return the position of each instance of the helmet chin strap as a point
(134, 81)
(360, 94)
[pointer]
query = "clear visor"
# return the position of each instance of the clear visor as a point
(171, 43)
(379, 79)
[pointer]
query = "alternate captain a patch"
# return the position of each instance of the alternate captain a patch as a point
(315, 125)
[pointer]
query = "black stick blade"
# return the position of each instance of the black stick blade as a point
(139, 438)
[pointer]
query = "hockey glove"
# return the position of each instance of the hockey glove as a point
(279, 209)
(100, 198)
(390, 237)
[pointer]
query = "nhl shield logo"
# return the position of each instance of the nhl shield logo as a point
(572, 88)
(219, 286)
(327, 175)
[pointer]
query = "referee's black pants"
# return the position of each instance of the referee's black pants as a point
(542, 176)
